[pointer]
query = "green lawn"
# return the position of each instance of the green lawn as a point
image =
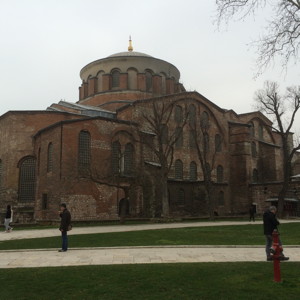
(218, 235)
(226, 281)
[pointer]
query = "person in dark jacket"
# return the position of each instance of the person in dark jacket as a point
(252, 212)
(8, 219)
(270, 224)
(65, 222)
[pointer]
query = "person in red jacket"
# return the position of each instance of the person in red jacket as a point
(65, 223)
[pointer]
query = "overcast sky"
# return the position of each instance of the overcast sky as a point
(44, 45)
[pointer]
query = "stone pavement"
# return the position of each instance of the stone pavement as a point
(130, 255)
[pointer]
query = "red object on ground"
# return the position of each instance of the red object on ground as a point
(277, 253)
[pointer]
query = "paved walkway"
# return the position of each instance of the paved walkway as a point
(131, 255)
(35, 233)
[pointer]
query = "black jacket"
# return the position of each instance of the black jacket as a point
(8, 214)
(65, 220)
(270, 222)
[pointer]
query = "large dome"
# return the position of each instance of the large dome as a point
(127, 76)
(130, 53)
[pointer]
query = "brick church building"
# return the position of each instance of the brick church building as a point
(104, 155)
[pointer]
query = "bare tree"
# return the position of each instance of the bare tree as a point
(282, 33)
(158, 121)
(207, 158)
(283, 109)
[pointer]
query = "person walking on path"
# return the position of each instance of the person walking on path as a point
(65, 223)
(8, 219)
(270, 224)
(252, 212)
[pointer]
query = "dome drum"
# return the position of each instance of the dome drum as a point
(128, 71)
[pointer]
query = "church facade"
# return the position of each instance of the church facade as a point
(105, 155)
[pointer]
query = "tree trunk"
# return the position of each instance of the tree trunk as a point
(210, 202)
(165, 198)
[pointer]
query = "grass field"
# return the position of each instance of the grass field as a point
(228, 281)
(224, 235)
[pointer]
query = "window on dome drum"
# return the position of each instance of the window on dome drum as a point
(192, 138)
(178, 114)
(204, 121)
(252, 133)
(218, 143)
(220, 174)
(27, 180)
(132, 79)
(116, 157)
(192, 115)
(84, 151)
(181, 197)
(164, 134)
(148, 81)
(115, 79)
(206, 143)
(221, 200)
(260, 132)
(178, 137)
(1, 173)
(254, 176)
(99, 81)
(193, 171)
(128, 160)
(178, 169)
(50, 158)
(253, 149)
(44, 201)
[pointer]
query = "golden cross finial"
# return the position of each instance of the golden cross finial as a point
(130, 48)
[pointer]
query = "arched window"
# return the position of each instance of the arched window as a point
(27, 180)
(128, 159)
(99, 81)
(220, 174)
(148, 81)
(178, 169)
(178, 137)
(221, 200)
(206, 143)
(116, 157)
(192, 115)
(252, 132)
(181, 197)
(132, 79)
(192, 138)
(115, 79)
(193, 171)
(1, 173)
(218, 143)
(50, 158)
(204, 121)
(163, 83)
(178, 114)
(164, 134)
(255, 176)
(84, 151)
(253, 149)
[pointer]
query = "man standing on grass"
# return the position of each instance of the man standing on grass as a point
(65, 223)
(270, 224)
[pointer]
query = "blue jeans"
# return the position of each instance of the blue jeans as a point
(64, 238)
(269, 242)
